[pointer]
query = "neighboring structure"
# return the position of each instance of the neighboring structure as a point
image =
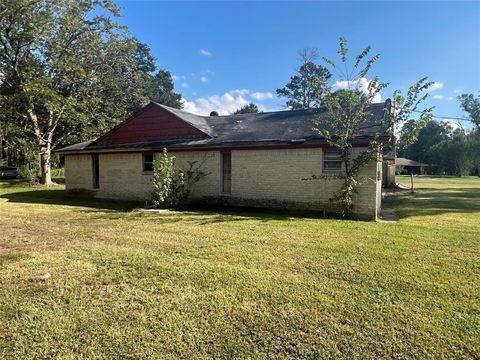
(269, 160)
(388, 167)
(411, 166)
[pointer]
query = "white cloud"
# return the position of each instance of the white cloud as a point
(239, 92)
(224, 104)
(435, 86)
(203, 79)
(181, 79)
(455, 125)
(441, 97)
(178, 77)
(359, 84)
(204, 52)
(260, 96)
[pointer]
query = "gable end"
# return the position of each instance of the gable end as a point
(152, 123)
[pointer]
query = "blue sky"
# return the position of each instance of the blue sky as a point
(223, 54)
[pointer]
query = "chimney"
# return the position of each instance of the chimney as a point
(214, 113)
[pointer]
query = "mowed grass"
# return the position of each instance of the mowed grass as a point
(126, 284)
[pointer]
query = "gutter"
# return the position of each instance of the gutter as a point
(232, 145)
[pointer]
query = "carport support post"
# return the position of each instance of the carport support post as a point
(412, 190)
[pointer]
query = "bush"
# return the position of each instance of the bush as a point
(30, 172)
(171, 186)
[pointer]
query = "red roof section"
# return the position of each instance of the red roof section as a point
(149, 124)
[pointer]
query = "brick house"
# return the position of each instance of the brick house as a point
(268, 160)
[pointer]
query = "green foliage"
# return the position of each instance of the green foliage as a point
(456, 154)
(409, 134)
(163, 177)
(421, 149)
(471, 106)
(171, 186)
(404, 106)
(448, 151)
(162, 90)
(68, 75)
(305, 89)
(248, 109)
(349, 110)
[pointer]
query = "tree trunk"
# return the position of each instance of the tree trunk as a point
(1, 144)
(44, 144)
(45, 157)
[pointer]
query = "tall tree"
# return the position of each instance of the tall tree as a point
(471, 105)
(250, 108)
(304, 91)
(408, 134)
(162, 90)
(432, 133)
(349, 110)
(454, 155)
(66, 70)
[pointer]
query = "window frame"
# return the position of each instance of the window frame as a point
(150, 163)
(332, 160)
(226, 172)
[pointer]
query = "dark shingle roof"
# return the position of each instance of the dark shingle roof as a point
(279, 127)
(200, 122)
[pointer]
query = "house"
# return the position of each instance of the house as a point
(410, 166)
(267, 160)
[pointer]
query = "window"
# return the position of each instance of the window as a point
(95, 172)
(226, 173)
(147, 162)
(332, 161)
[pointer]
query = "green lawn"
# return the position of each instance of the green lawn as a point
(206, 285)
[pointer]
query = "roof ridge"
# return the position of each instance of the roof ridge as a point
(263, 112)
(381, 103)
(204, 127)
(174, 110)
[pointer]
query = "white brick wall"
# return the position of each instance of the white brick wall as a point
(209, 161)
(277, 175)
(122, 177)
(78, 172)
(258, 176)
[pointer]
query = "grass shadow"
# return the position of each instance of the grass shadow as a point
(432, 201)
(62, 197)
(199, 214)
(206, 215)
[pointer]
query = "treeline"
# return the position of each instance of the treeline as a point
(448, 150)
(69, 72)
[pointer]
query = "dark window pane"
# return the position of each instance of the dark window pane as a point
(332, 161)
(226, 173)
(95, 172)
(147, 162)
